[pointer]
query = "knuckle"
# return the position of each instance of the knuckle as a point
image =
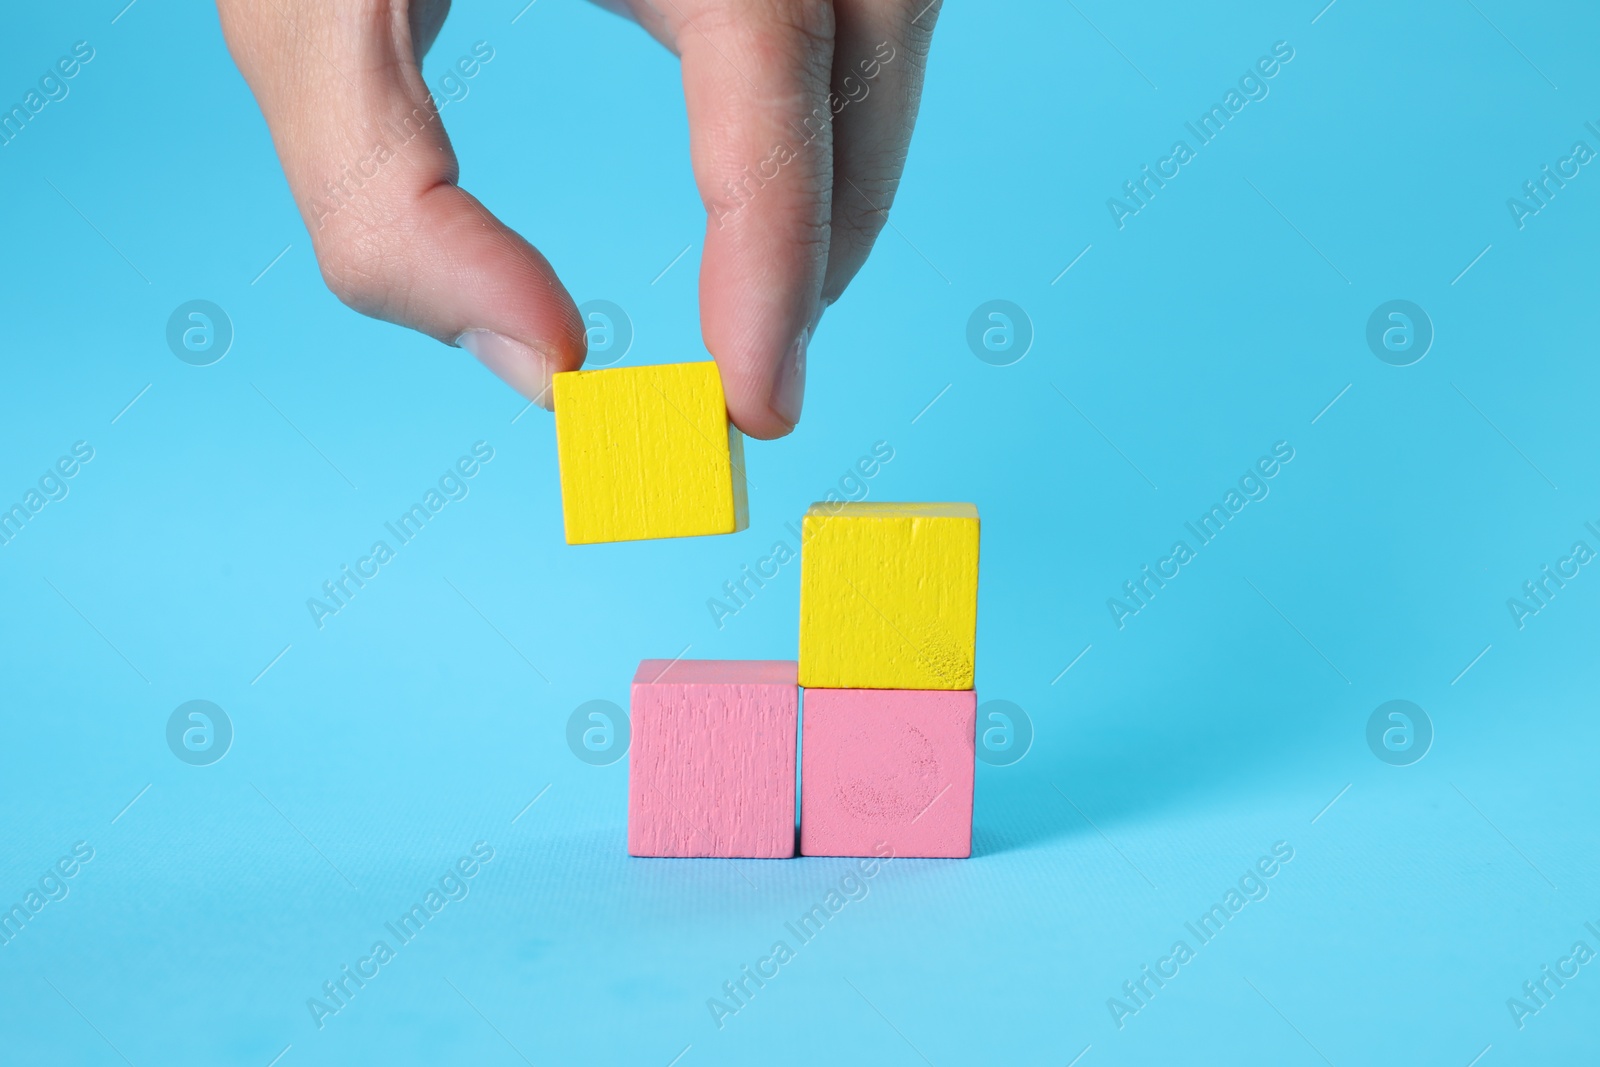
(864, 202)
(912, 34)
(859, 226)
(772, 24)
(357, 262)
(853, 236)
(920, 16)
(811, 19)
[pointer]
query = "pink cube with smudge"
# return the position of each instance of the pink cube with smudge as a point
(887, 766)
(711, 766)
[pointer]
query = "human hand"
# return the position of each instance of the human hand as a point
(800, 114)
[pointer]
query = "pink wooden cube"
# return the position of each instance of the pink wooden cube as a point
(711, 770)
(887, 765)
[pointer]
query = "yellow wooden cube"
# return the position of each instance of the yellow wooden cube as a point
(888, 596)
(648, 452)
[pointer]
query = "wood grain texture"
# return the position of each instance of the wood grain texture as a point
(888, 596)
(711, 769)
(647, 452)
(887, 766)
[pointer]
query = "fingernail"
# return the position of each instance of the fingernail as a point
(788, 392)
(526, 368)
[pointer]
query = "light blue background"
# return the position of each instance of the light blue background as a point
(426, 715)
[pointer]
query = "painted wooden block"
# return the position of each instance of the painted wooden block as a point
(887, 766)
(888, 596)
(647, 452)
(711, 769)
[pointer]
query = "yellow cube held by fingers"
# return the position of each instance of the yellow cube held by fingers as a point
(888, 596)
(647, 452)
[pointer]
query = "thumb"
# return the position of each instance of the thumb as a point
(374, 176)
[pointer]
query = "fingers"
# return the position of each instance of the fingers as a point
(755, 76)
(879, 58)
(374, 176)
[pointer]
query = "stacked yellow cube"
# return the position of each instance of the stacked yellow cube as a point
(889, 596)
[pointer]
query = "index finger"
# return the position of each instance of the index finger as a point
(755, 79)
